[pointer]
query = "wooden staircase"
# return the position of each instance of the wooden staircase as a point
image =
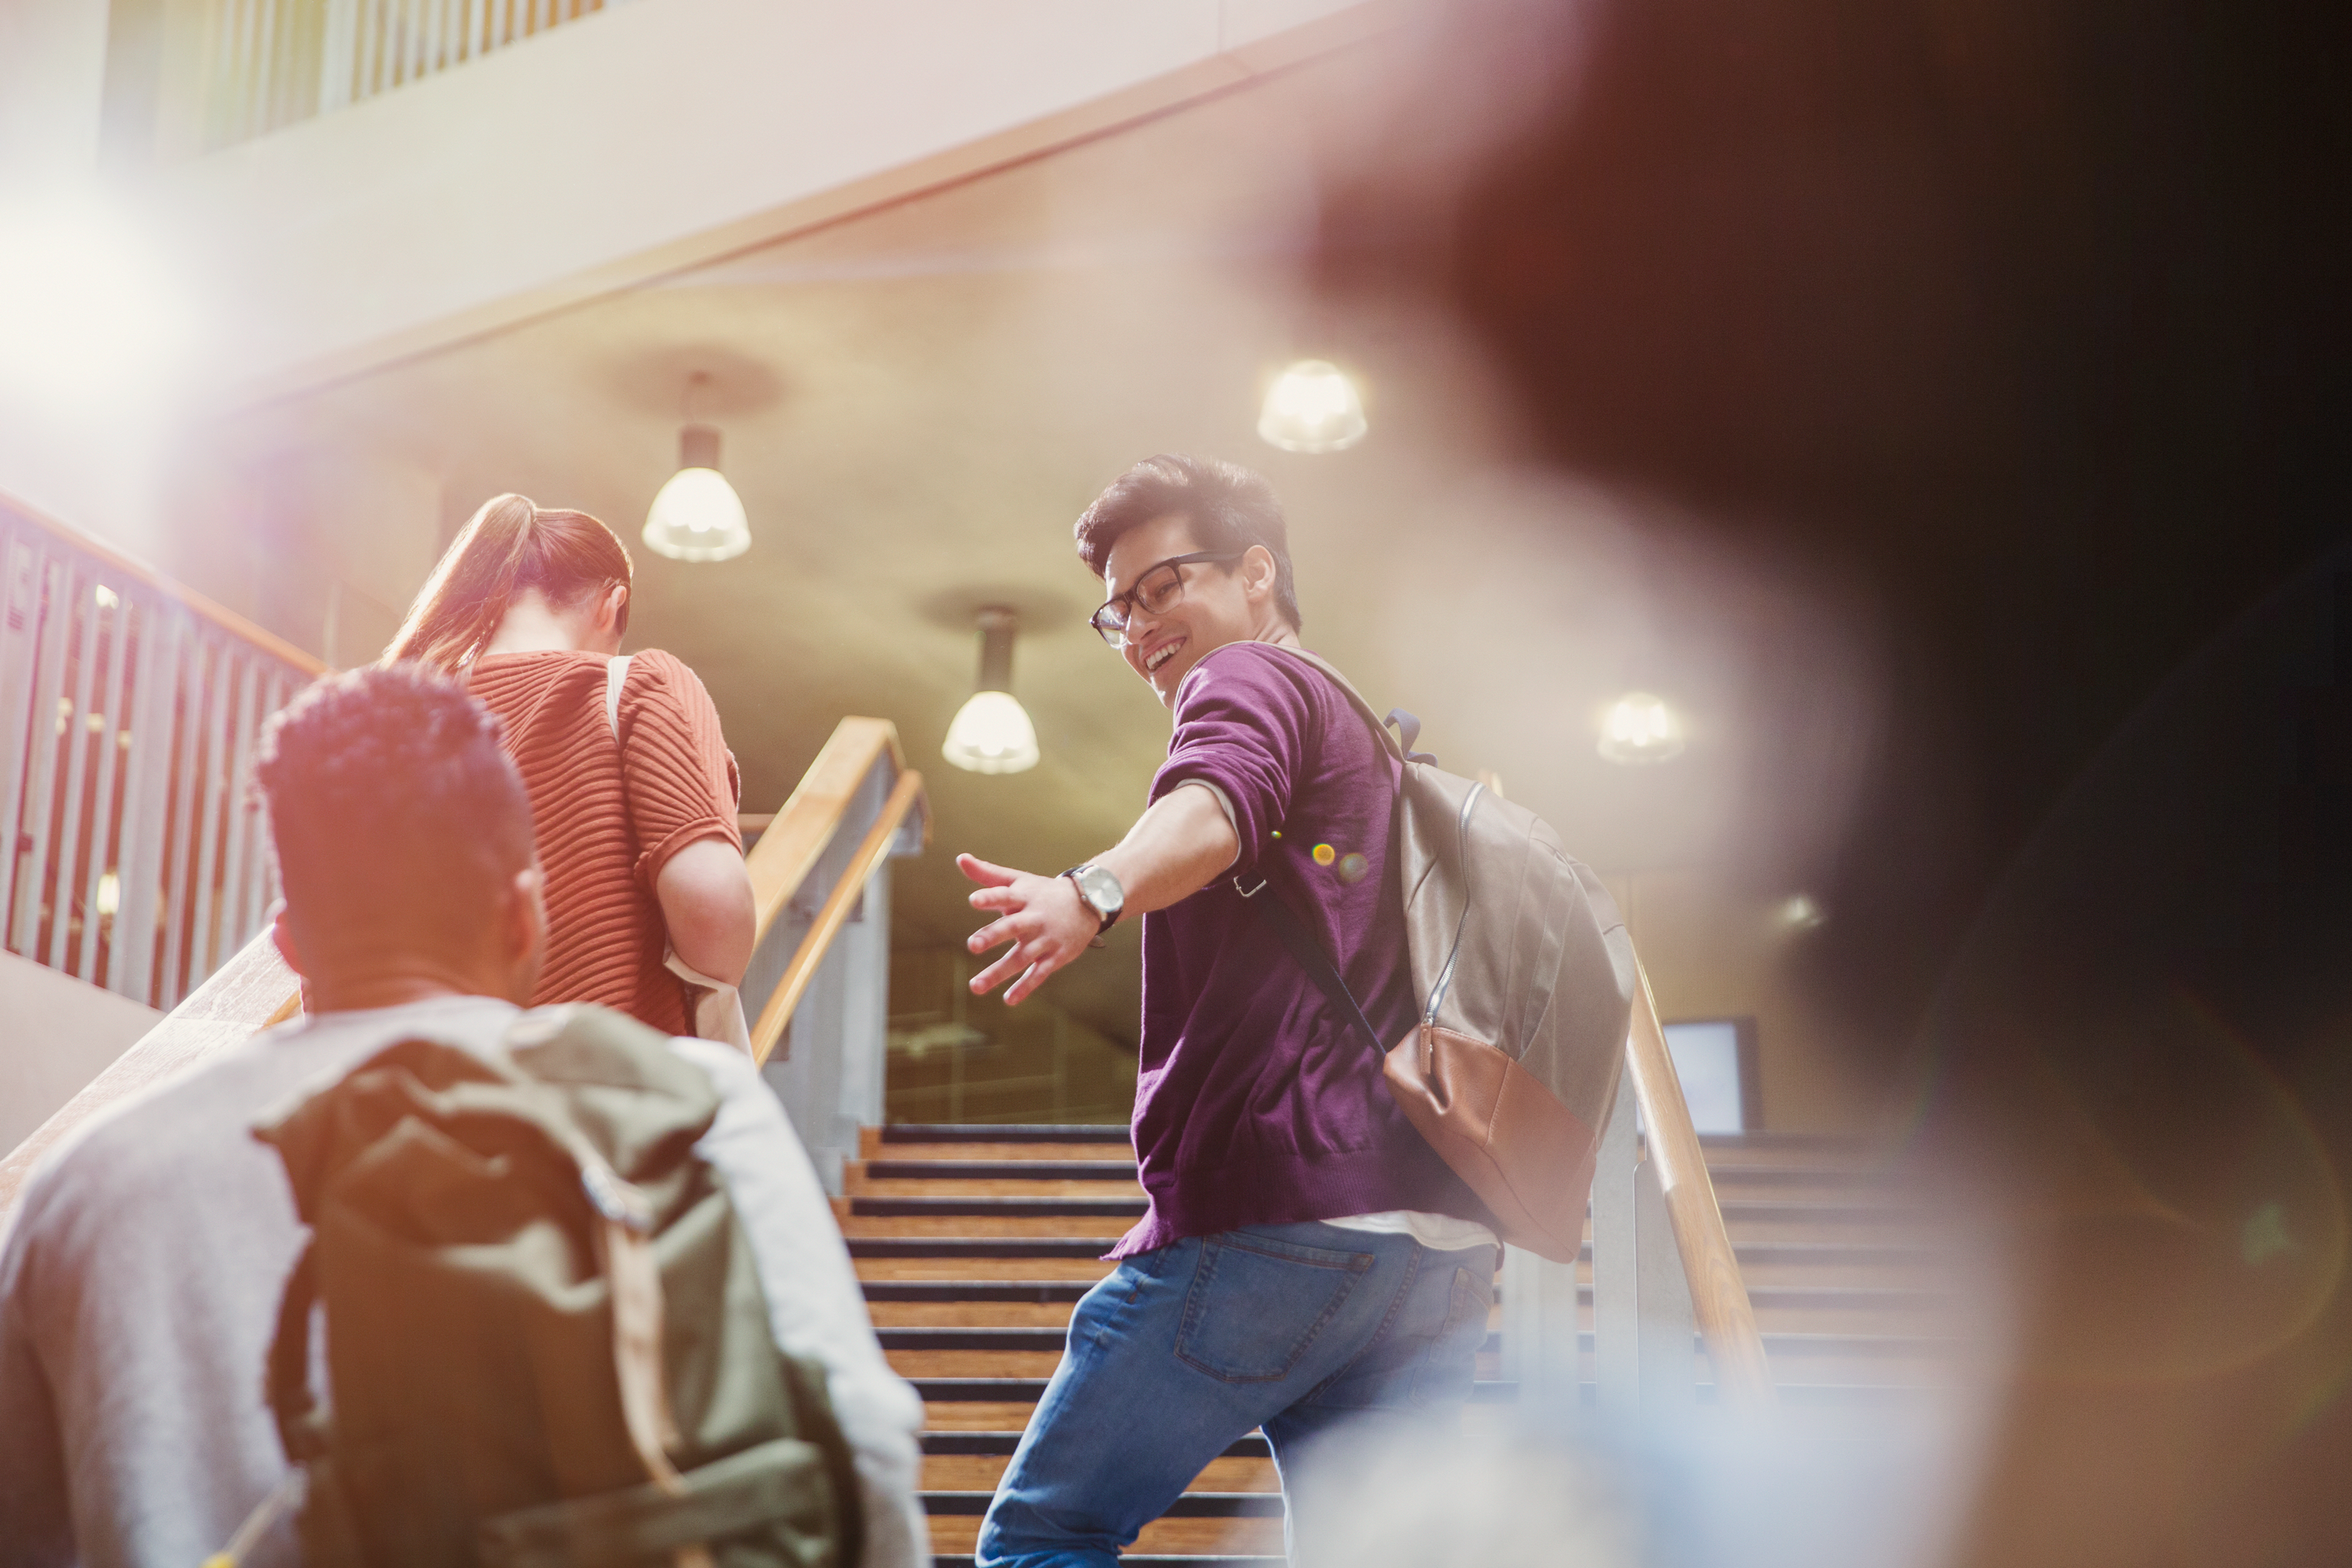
(973, 1242)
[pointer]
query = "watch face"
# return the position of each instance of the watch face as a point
(1102, 890)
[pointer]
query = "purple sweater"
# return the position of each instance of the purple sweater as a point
(1255, 1101)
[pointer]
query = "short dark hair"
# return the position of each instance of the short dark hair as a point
(397, 816)
(1229, 506)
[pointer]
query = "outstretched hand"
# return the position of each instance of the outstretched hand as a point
(1043, 917)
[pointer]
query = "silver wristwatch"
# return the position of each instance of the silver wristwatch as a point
(1099, 891)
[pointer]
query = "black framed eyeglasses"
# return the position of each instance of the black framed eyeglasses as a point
(1158, 591)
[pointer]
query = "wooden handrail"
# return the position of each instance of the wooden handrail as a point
(793, 840)
(1719, 1303)
(254, 990)
(228, 620)
(871, 852)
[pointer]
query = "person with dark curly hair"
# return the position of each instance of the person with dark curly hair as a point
(139, 1279)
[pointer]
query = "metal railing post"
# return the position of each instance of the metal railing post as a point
(1666, 1335)
(1616, 1294)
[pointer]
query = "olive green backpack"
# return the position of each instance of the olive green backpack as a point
(546, 1340)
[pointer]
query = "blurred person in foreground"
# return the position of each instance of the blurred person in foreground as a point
(634, 790)
(2030, 324)
(1306, 1262)
(140, 1280)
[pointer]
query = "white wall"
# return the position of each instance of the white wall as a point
(652, 134)
(52, 79)
(655, 135)
(56, 1035)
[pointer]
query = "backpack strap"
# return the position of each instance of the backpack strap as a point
(1317, 963)
(1400, 745)
(1302, 942)
(616, 675)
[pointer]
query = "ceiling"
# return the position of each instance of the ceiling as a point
(918, 401)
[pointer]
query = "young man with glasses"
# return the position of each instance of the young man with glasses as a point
(1304, 1262)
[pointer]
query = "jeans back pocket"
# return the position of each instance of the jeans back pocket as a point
(1257, 1303)
(1451, 1369)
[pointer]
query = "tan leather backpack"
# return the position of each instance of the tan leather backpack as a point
(1525, 976)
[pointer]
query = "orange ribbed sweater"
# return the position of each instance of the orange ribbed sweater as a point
(610, 814)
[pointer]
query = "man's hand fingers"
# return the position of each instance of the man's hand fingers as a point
(1032, 978)
(1013, 961)
(985, 874)
(995, 899)
(1011, 929)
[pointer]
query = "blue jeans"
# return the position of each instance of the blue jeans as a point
(1300, 1329)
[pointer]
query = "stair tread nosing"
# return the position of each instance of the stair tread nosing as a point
(1054, 1292)
(1132, 1207)
(943, 1338)
(1016, 1390)
(1095, 1247)
(1134, 1559)
(1253, 1447)
(1189, 1505)
(1008, 1132)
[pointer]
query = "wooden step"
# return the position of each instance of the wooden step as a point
(977, 1289)
(1008, 1151)
(1078, 1176)
(1020, 1171)
(1055, 1132)
(1191, 1505)
(1002, 1444)
(966, 1353)
(1097, 1232)
(1141, 1560)
(960, 1205)
(955, 1406)
(858, 1182)
(944, 1415)
(965, 1267)
(1188, 1536)
(1052, 1315)
(919, 1366)
(994, 1248)
(1777, 1310)
(1802, 1209)
(980, 1472)
(1834, 1255)
(1007, 1391)
(1008, 1141)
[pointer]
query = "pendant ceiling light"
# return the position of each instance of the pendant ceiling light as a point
(992, 733)
(1312, 406)
(1640, 728)
(697, 516)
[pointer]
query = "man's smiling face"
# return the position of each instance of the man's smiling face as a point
(1214, 609)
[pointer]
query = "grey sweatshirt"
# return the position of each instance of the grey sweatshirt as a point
(140, 1279)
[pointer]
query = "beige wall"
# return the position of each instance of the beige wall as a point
(1715, 950)
(56, 1035)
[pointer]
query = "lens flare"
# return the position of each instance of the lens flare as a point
(85, 313)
